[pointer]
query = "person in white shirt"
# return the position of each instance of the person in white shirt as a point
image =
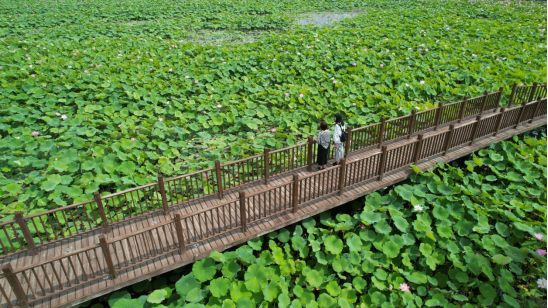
(337, 143)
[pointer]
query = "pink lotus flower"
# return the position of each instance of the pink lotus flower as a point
(498, 59)
(35, 133)
(99, 65)
(365, 49)
(541, 252)
(354, 104)
(301, 95)
(205, 112)
(160, 119)
(539, 236)
(474, 55)
(205, 175)
(362, 226)
(422, 82)
(388, 50)
(404, 287)
(133, 139)
(86, 71)
(298, 53)
(382, 65)
(186, 77)
(43, 85)
(334, 81)
(273, 130)
(426, 50)
(286, 94)
(33, 75)
(58, 88)
(150, 69)
(196, 81)
(219, 106)
(354, 64)
(119, 125)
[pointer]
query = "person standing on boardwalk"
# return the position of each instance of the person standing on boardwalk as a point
(337, 143)
(324, 139)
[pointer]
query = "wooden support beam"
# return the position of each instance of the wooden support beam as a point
(219, 177)
(15, 285)
(462, 108)
(108, 258)
(448, 139)
(475, 129)
(101, 210)
(412, 123)
(512, 95)
(180, 233)
(26, 232)
(381, 131)
(382, 162)
(348, 141)
(243, 215)
(342, 176)
(310, 147)
(499, 120)
(266, 165)
(295, 193)
(163, 193)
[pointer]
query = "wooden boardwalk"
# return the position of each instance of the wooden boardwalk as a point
(85, 265)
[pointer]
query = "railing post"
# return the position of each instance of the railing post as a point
(418, 149)
(412, 123)
(219, 179)
(498, 99)
(438, 116)
(101, 210)
(15, 285)
(448, 139)
(462, 108)
(535, 111)
(180, 233)
(26, 233)
(512, 95)
(484, 102)
(382, 162)
(310, 147)
(163, 193)
(381, 131)
(532, 95)
(108, 258)
(521, 113)
(348, 141)
(475, 129)
(243, 216)
(342, 176)
(499, 120)
(296, 192)
(266, 165)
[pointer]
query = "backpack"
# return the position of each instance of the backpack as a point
(343, 134)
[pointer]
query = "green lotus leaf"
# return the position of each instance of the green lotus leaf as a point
(255, 278)
(370, 217)
(314, 278)
(219, 287)
(333, 244)
(271, 291)
(204, 270)
(157, 296)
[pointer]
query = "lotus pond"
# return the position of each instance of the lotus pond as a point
(466, 234)
(103, 95)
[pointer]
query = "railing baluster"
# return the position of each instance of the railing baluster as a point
(266, 165)
(521, 113)
(499, 120)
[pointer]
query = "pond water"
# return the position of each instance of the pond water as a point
(325, 18)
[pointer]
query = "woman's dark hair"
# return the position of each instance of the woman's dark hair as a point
(338, 119)
(323, 125)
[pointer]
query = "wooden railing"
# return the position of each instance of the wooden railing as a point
(108, 257)
(104, 211)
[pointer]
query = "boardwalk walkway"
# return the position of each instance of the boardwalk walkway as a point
(76, 268)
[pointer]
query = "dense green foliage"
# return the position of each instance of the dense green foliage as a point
(471, 236)
(101, 95)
